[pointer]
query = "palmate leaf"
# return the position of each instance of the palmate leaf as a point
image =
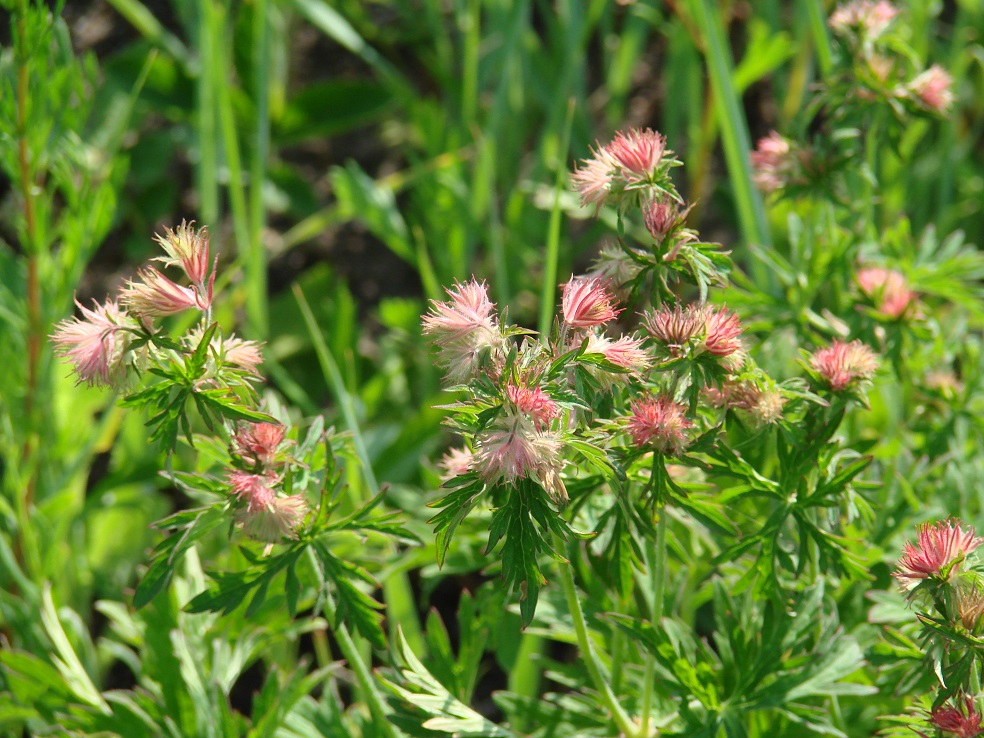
(352, 605)
(525, 523)
(455, 507)
(444, 712)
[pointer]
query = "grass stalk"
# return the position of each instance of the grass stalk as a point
(657, 575)
(208, 159)
(254, 262)
(734, 129)
(550, 264)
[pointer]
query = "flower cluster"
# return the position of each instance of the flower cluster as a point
(696, 329)
(112, 342)
(633, 168)
(264, 513)
(940, 549)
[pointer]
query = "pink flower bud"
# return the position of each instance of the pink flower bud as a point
(865, 17)
(960, 722)
(661, 424)
(257, 443)
(587, 303)
(533, 402)
(932, 89)
(843, 364)
(887, 288)
(188, 249)
(774, 162)
(455, 462)
(940, 548)
(156, 296)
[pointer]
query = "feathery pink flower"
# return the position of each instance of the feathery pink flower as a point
(587, 303)
(243, 354)
(94, 345)
(638, 153)
(774, 163)
(469, 310)
(870, 17)
(842, 364)
(257, 443)
(722, 332)
(255, 489)
(155, 296)
(455, 462)
(187, 248)
(933, 89)
(961, 722)
(633, 162)
(660, 423)
(661, 216)
(512, 449)
(534, 402)
(887, 288)
(676, 327)
(940, 549)
(627, 353)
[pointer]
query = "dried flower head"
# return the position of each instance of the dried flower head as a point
(586, 303)
(844, 364)
(933, 89)
(887, 288)
(257, 443)
(187, 248)
(762, 402)
(676, 327)
(963, 721)
(455, 462)
(869, 18)
(970, 605)
(775, 163)
(937, 554)
(661, 424)
(95, 344)
(280, 519)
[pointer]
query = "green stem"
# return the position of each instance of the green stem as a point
(208, 180)
(657, 574)
(591, 661)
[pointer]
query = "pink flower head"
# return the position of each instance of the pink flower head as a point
(626, 353)
(512, 449)
(188, 249)
(94, 345)
(587, 303)
(962, 722)
(940, 549)
(722, 335)
(639, 154)
(255, 489)
(593, 179)
(774, 162)
(842, 364)
(257, 443)
(867, 17)
(242, 354)
(659, 423)
(634, 161)
(533, 402)
(676, 327)
(279, 519)
(469, 310)
(887, 288)
(455, 462)
(156, 296)
(933, 89)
